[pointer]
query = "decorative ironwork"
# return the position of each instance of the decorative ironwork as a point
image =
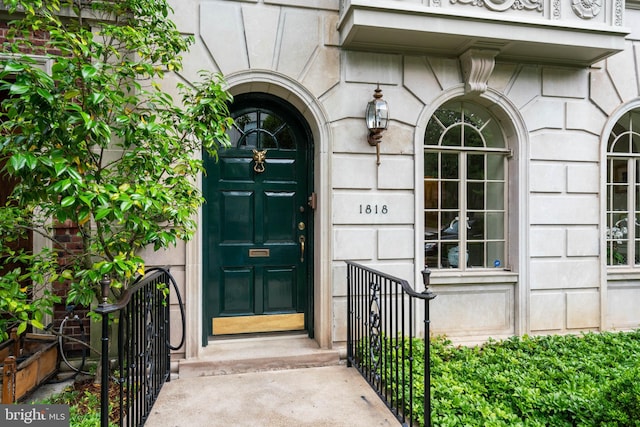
(375, 346)
(382, 320)
(144, 358)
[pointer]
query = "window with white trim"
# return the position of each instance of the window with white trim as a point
(623, 191)
(465, 189)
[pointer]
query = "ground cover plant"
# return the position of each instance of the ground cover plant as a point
(574, 380)
(83, 398)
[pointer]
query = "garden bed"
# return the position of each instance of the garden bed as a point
(26, 363)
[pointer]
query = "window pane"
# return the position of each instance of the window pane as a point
(450, 195)
(475, 195)
(270, 122)
(431, 236)
(619, 172)
(267, 141)
(286, 139)
(249, 140)
(247, 122)
(449, 223)
(475, 254)
(451, 255)
(495, 225)
(621, 145)
(431, 226)
(475, 226)
(495, 195)
(493, 135)
(475, 166)
(619, 198)
(449, 166)
(475, 115)
(430, 194)
(495, 166)
(472, 138)
(453, 137)
(432, 134)
(450, 115)
(495, 254)
(430, 165)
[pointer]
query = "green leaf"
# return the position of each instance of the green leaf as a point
(17, 161)
(19, 89)
(89, 71)
(13, 67)
(97, 98)
(21, 328)
(45, 94)
(126, 205)
(102, 213)
(67, 201)
(59, 167)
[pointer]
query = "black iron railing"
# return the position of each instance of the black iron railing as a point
(143, 354)
(382, 326)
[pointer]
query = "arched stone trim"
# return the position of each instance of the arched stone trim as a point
(517, 139)
(312, 111)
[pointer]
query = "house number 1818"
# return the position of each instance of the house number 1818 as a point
(374, 209)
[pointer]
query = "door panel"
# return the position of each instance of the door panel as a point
(280, 287)
(255, 265)
(236, 292)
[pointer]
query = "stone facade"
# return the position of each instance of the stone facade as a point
(556, 119)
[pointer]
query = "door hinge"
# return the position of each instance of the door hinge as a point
(313, 200)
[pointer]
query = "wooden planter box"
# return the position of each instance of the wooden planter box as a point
(26, 363)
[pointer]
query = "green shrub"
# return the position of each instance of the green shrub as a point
(621, 399)
(586, 380)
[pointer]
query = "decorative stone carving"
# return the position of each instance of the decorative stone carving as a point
(556, 9)
(477, 66)
(502, 5)
(619, 10)
(586, 9)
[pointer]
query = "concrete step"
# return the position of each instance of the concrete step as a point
(257, 354)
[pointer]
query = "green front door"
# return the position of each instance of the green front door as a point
(257, 222)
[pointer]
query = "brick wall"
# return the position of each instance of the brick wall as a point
(69, 244)
(38, 41)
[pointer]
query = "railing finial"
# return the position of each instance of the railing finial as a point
(105, 284)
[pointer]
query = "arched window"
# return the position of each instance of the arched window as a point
(623, 191)
(465, 189)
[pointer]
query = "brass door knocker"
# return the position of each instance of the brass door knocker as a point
(259, 157)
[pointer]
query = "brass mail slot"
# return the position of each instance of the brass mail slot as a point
(259, 253)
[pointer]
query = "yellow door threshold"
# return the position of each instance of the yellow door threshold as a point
(255, 324)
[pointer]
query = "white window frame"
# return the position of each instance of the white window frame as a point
(463, 181)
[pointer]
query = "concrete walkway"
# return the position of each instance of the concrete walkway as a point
(282, 381)
(331, 396)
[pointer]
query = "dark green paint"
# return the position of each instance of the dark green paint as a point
(247, 210)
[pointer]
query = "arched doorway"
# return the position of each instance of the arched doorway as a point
(257, 224)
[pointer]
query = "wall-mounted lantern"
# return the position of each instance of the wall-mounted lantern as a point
(377, 118)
